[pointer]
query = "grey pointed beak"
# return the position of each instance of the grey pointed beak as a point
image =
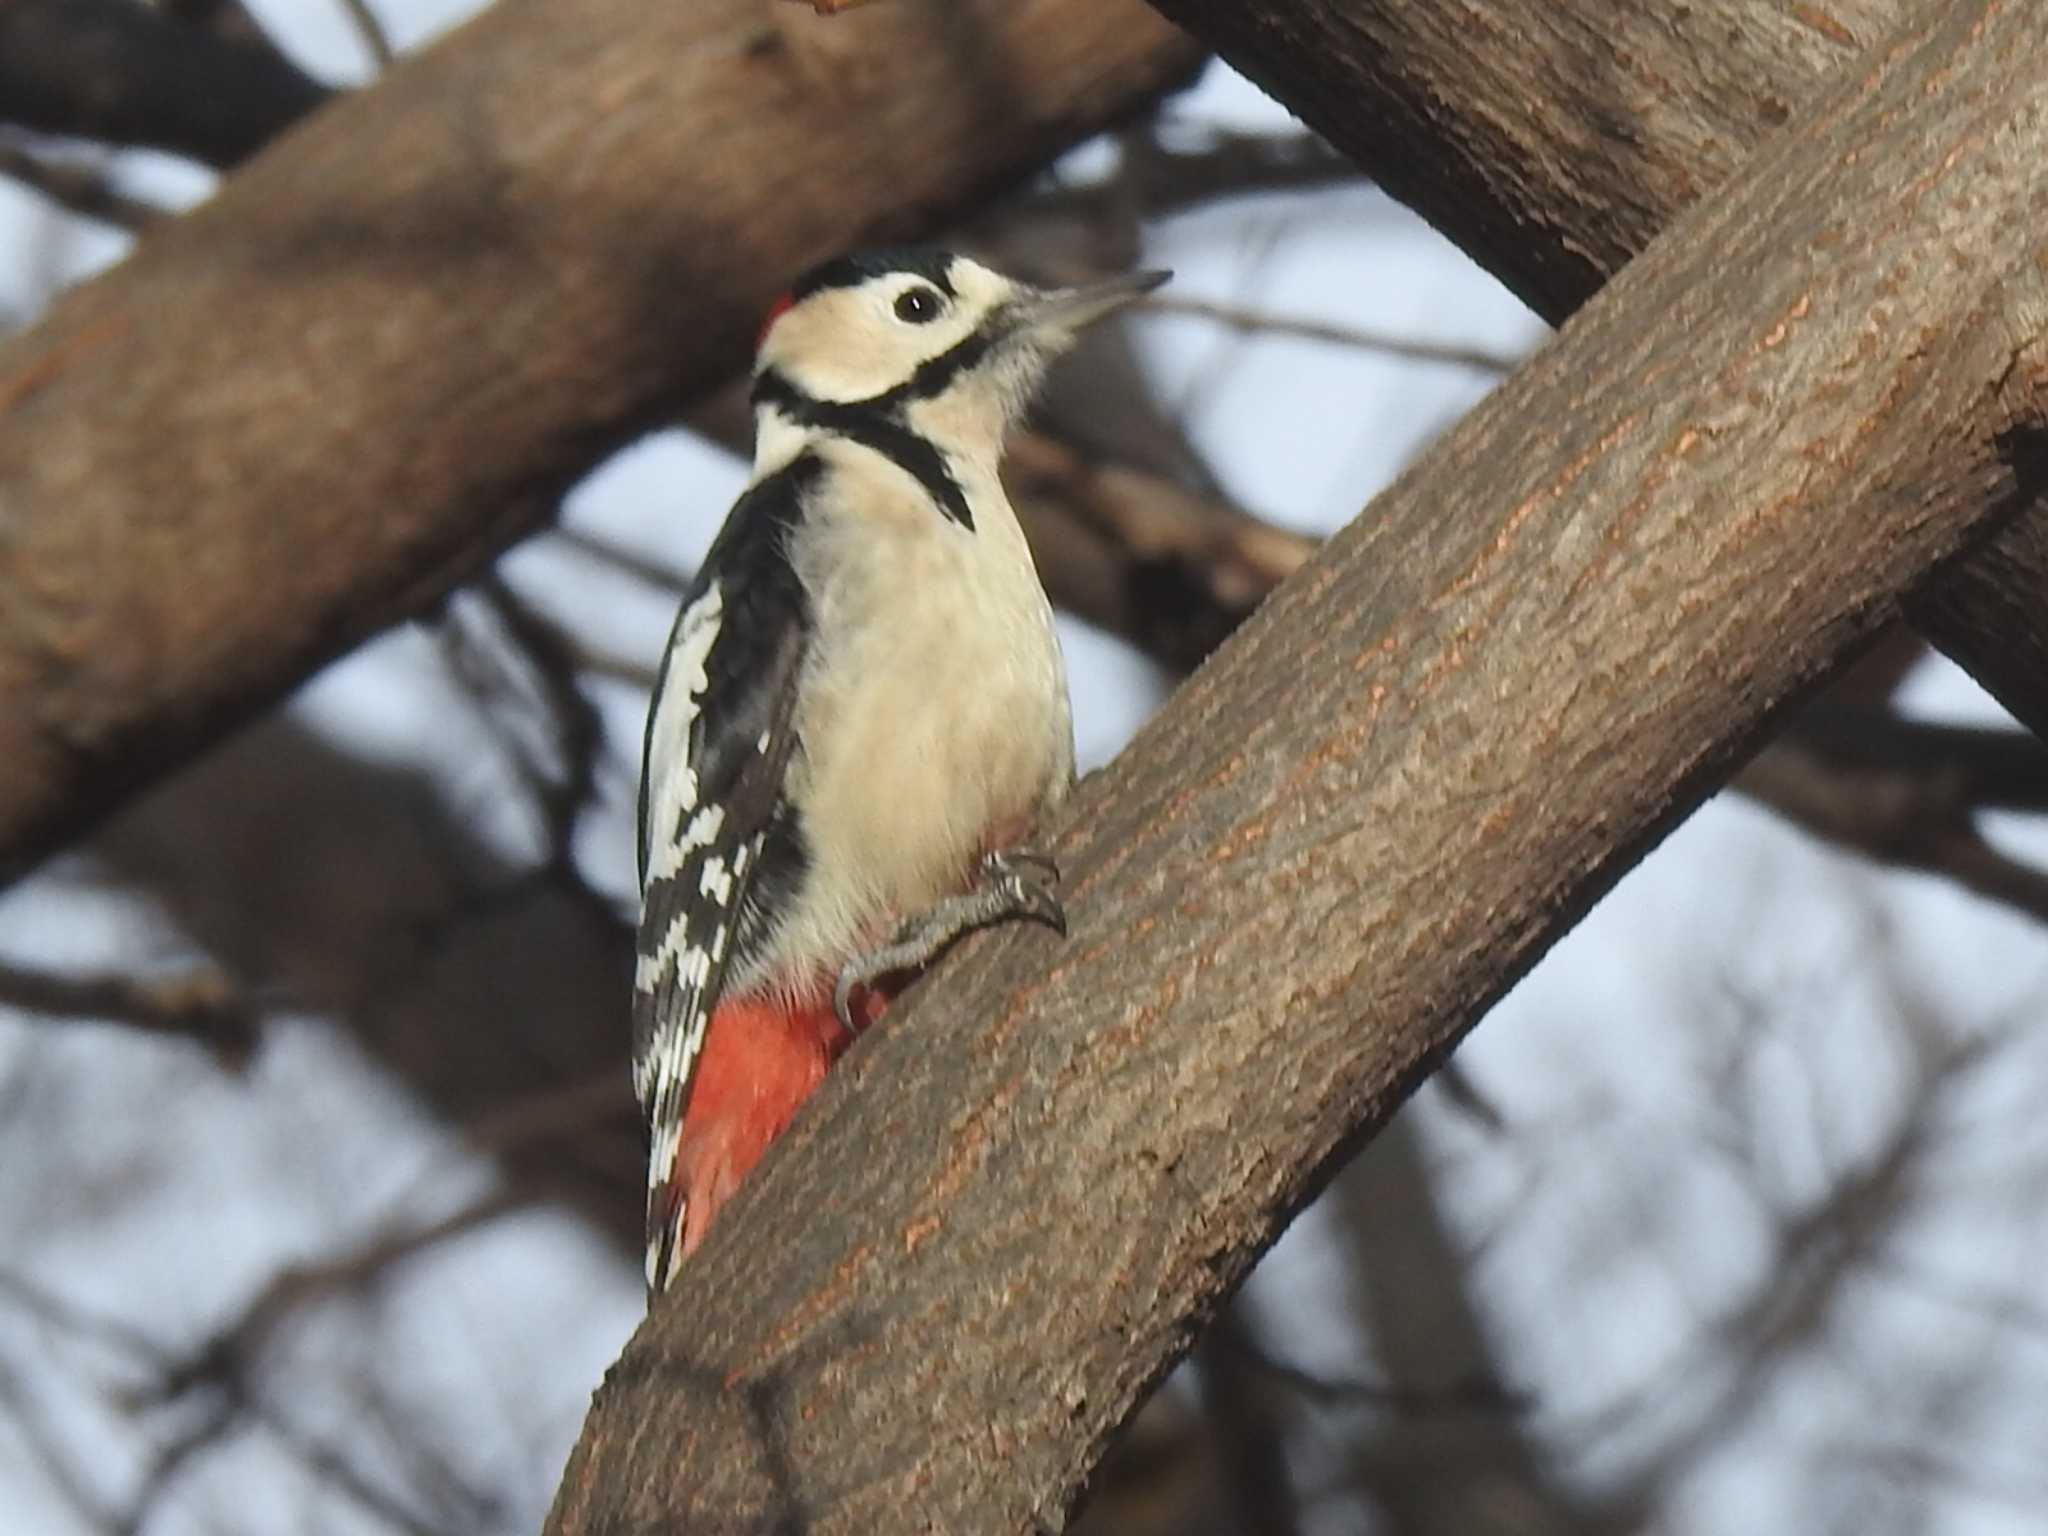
(1069, 309)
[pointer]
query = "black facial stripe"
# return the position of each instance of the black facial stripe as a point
(935, 375)
(928, 262)
(916, 456)
(875, 425)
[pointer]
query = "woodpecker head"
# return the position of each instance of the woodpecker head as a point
(931, 341)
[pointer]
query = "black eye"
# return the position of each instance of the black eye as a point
(917, 305)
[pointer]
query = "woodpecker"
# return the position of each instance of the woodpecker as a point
(861, 714)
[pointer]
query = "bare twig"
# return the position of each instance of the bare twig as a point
(74, 1478)
(571, 722)
(1917, 819)
(520, 670)
(227, 1356)
(85, 190)
(1847, 1230)
(1242, 317)
(655, 573)
(371, 30)
(1474, 1395)
(203, 1005)
(230, 1399)
(1155, 179)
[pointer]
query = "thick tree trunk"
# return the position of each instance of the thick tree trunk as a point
(380, 354)
(1551, 139)
(1005, 1215)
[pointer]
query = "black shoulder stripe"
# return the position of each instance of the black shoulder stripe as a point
(880, 429)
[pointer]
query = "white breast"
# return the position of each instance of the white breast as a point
(933, 717)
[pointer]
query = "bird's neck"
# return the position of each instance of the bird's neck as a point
(971, 440)
(778, 438)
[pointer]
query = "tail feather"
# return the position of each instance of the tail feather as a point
(762, 1058)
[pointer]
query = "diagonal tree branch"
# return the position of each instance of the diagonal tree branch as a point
(420, 317)
(1360, 822)
(202, 1005)
(1977, 768)
(119, 71)
(81, 189)
(1918, 820)
(1552, 140)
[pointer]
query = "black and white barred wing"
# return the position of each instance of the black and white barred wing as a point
(712, 811)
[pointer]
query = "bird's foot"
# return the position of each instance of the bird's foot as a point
(1014, 883)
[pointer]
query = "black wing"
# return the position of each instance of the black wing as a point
(718, 843)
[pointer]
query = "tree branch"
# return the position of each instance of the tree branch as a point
(422, 316)
(201, 1004)
(375, 40)
(80, 189)
(1552, 140)
(1155, 179)
(1241, 317)
(1358, 824)
(1980, 768)
(1913, 819)
(1171, 571)
(119, 71)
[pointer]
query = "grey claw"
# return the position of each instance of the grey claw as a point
(1036, 899)
(1002, 861)
(1055, 917)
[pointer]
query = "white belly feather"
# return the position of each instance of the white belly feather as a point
(934, 714)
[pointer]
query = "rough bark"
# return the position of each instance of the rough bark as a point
(1358, 824)
(1552, 140)
(307, 409)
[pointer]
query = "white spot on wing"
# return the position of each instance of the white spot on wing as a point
(664, 859)
(716, 882)
(672, 782)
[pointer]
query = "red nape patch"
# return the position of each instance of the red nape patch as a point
(776, 311)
